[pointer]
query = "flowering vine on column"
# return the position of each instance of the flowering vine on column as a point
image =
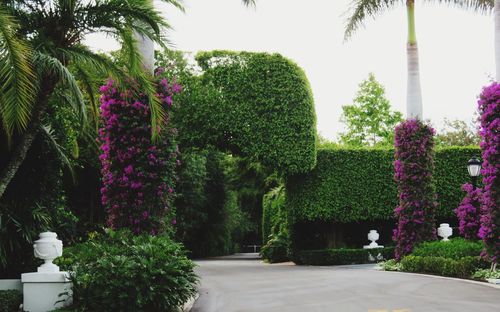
(414, 166)
(138, 174)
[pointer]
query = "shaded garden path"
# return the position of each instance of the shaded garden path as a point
(230, 284)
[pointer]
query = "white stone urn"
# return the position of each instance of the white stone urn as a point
(373, 236)
(445, 231)
(47, 248)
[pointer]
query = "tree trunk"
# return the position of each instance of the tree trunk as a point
(413, 89)
(147, 50)
(497, 38)
(18, 154)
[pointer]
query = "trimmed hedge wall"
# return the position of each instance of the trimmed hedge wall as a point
(350, 185)
(256, 105)
(340, 256)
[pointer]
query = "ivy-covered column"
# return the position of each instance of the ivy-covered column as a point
(489, 109)
(138, 174)
(414, 167)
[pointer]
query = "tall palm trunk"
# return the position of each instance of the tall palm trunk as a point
(147, 50)
(25, 141)
(413, 89)
(497, 38)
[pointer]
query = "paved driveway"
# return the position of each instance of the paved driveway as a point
(250, 285)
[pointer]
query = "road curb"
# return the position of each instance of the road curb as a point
(444, 277)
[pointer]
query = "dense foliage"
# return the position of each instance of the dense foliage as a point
(456, 248)
(127, 272)
(414, 167)
(489, 108)
(369, 121)
(352, 185)
(463, 267)
(468, 212)
(275, 232)
(342, 256)
(210, 222)
(138, 172)
(10, 300)
(256, 105)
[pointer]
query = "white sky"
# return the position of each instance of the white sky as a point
(456, 49)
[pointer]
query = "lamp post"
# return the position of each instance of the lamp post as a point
(474, 168)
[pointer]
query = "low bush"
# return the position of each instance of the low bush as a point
(463, 267)
(456, 248)
(10, 300)
(125, 272)
(276, 249)
(390, 265)
(486, 274)
(341, 256)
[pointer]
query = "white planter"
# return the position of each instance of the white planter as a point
(373, 236)
(445, 231)
(47, 248)
(7, 284)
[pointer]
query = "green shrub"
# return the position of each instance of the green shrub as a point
(255, 105)
(352, 185)
(462, 267)
(276, 249)
(274, 215)
(125, 272)
(390, 265)
(486, 274)
(10, 300)
(340, 256)
(455, 249)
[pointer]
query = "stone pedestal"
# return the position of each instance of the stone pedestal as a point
(45, 291)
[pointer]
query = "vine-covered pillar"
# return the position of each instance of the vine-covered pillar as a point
(414, 167)
(489, 109)
(138, 174)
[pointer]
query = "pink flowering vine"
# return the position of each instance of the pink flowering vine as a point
(138, 174)
(414, 166)
(468, 212)
(489, 109)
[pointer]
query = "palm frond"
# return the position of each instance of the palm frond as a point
(17, 89)
(47, 64)
(158, 114)
(249, 2)
(480, 6)
(49, 134)
(360, 10)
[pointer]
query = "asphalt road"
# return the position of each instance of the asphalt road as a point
(244, 284)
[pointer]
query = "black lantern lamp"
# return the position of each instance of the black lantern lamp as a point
(474, 168)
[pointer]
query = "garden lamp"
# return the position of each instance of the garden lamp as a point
(474, 168)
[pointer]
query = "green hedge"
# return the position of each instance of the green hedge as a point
(350, 185)
(463, 267)
(256, 105)
(10, 300)
(455, 249)
(340, 256)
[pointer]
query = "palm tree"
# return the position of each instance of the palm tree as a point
(496, 13)
(361, 9)
(55, 30)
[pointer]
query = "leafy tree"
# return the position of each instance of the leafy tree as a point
(458, 133)
(55, 30)
(369, 121)
(362, 9)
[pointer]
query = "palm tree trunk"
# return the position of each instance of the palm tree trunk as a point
(413, 89)
(147, 50)
(20, 151)
(497, 38)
